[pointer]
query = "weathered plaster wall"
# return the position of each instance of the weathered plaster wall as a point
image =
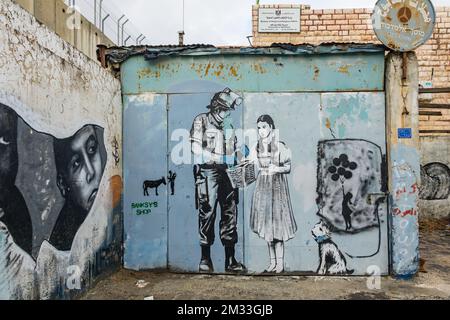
(57, 16)
(435, 191)
(402, 82)
(51, 98)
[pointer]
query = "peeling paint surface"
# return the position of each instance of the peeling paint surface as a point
(339, 72)
(404, 198)
(302, 96)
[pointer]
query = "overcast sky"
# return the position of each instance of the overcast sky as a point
(217, 22)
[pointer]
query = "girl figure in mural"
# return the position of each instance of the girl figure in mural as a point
(271, 216)
(80, 162)
(13, 209)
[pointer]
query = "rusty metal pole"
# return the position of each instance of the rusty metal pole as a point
(101, 55)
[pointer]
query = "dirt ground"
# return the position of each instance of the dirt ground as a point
(433, 282)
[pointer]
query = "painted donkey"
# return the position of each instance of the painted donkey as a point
(153, 185)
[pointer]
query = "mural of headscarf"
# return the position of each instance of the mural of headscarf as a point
(45, 197)
(80, 162)
(13, 209)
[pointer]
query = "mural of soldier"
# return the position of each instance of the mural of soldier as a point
(214, 150)
(13, 209)
(80, 162)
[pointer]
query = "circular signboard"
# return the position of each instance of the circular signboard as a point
(403, 25)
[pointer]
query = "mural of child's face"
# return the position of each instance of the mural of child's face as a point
(8, 147)
(264, 130)
(84, 170)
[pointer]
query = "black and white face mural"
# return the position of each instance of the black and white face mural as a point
(48, 185)
(80, 162)
(13, 209)
(435, 181)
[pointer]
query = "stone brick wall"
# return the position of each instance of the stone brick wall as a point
(355, 25)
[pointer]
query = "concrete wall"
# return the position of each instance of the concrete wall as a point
(57, 16)
(355, 25)
(403, 161)
(60, 163)
(435, 200)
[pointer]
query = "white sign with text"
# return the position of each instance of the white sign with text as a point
(279, 20)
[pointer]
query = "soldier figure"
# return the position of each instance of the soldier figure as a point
(214, 148)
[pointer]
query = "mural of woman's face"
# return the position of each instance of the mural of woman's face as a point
(264, 130)
(8, 147)
(83, 171)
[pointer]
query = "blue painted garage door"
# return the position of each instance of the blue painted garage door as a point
(257, 179)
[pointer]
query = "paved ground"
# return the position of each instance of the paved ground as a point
(432, 283)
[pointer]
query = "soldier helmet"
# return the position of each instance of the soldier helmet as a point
(225, 100)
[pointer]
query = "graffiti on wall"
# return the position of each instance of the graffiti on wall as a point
(48, 196)
(115, 152)
(404, 219)
(214, 147)
(13, 209)
(349, 171)
(435, 181)
(79, 167)
(153, 184)
(221, 168)
(144, 208)
(273, 182)
(350, 193)
(332, 261)
(272, 217)
(171, 179)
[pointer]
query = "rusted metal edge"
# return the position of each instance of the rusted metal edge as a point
(434, 90)
(118, 55)
(434, 106)
(430, 113)
(434, 131)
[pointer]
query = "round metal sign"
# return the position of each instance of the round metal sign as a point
(403, 25)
